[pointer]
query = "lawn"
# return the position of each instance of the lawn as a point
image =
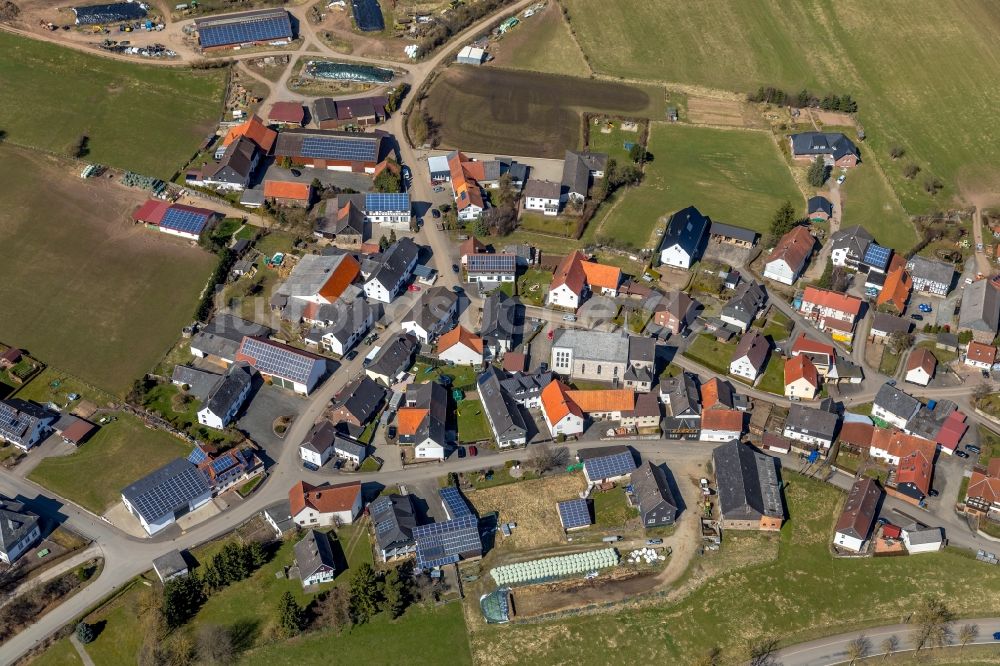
(53, 385)
(803, 594)
(712, 354)
(889, 362)
(611, 508)
(868, 200)
(613, 142)
(106, 298)
(462, 376)
(148, 119)
(472, 423)
(848, 461)
(181, 411)
(989, 442)
(533, 286)
(62, 653)
(879, 53)
(541, 43)
(773, 380)
(737, 177)
(116, 455)
(562, 225)
(942, 355)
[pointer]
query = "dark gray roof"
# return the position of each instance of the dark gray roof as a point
(503, 413)
(346, 317)
(682, 395)
(394, 517)
(361, 398)
(395, 356)
(434, 398)
(435, 305)
(351, 448)
(19, 419)
(542, 189)
(394, 262)
(281, 514)
(813, 422)
(320, 437)
(236, 164)
(577, 168)
(522, 386)
(686, 228)
(748, 480)
(888, 323)
(169, 564)
(641, 349)
(610, 347)
(227, 391)
(754, 346)
(823, 143)
(312, 553)
(16, 522)
(819, 204)
(861, 509)
(947, 339)
(749, 298)
(855, 239)
(924, 536)
(652, 489)
(930, 270)
(896, 402)
(927, 423)
(222, 336)
(199, 382)
(980, 309)
(330, 223)
(167, 489)
(731, 231)
(500, 317)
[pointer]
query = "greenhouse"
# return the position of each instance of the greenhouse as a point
(551, 568)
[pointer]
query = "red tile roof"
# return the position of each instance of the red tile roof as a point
(857, 434)
(324, 499)
(833, 300)
(287, 112)
(984, 485)
(151, 212)
(556, 402)
(952, 431)
(800, 367)
(599, 275)
(281, 189)
(921, 358)
(471, 245)
(807, 345)
(408, 419)
(981, 353)
(345, 273)
(896, 290)
(722, 419)
(460, 335)
(514, 362)
(607, 400)
(255, 130)
(794, 248)
(77, 431)
(570, 273)
(916, 468)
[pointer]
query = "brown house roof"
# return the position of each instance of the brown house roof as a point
(860, 510)
(794, 247)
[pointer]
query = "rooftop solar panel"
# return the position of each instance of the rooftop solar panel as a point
(184, 221)
(245, 31)
(454, 504)
(277, 361)
(609, 467)
(574, 513)
(387, 201)
(491, 263)
(361, 149)
(444, 543)
(197, 455)
(876, 255)
(166, 490)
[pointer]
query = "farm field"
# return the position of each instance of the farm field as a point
(731, 176)
(116, 455)
(542, 43)
(84, 280)
(909, 74)
(511, 112)
(148, 119)
(805, 587)
(868, 201)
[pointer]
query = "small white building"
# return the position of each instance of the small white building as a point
(460, 347)
(749, 356)
(325, 506)
(920, 367)
(927, 540)
(542, 196)
(317, 448)
(226, 397)
(314, 558)
(561, 414)
(19, 530)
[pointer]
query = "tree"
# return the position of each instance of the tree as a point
(80, 147)
(910, 171)
(900, 341)
(290, 616)
(85, 633)
(637, 153)
(932, 185)
(981, 392)
(545, 457)
(783, 221)
(365, 594)
(506, 194)
(761, 652)
(967, 634)
(858, 648)
(383, 243)
(500, 221)
(817, 173)
(397, 596)
(896, 151)
(333, 609)
(387, 181)
(214, 645)
(480, 227)
(182, 597)
(392, 236)
(285, 162)
(889, 646)
(826, 279)
(932, 619)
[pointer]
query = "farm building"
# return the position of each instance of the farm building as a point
(170, 565)
(732, 235)
(749, 488)
(287, 193)
(471, 55)
(332, 150)
(607, 464)
(262, 26)
(175, 219)
(362, 112)
(284, 366)
(574, 514)
(291, 114)
(161, 497)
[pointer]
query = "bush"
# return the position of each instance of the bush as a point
(85, 633)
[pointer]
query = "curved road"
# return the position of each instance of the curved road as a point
(835, 649)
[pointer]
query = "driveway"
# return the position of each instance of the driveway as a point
(267, 404)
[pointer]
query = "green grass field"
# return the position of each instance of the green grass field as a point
(905, 63)
(613, 142)
(139, 117)
(773, 380)
(62, 653)
(472, 423)
(86, 290)
(868, 201)
(116, 455)
(611, 508)
(736, 177)
(712, 354)
(542, 43)
(801, 595)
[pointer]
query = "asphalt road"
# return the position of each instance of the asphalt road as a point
(835, 649)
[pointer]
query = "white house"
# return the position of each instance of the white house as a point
(163, 495)
(24, 423)
(226, 397)
(788, 258)
(489, 267)
(431, 315)
(814, 427)
(543, 196)
(390, 209)
(391, 271)
(894, 406)
(19, 530)
(927, 540)
(858, 517)
(317, 448)
(920, 366)
(355, 320)
(683, 238)
(562, 415)
(325, 506)
(314, 558)
(421, 421)
(460, 347)
(801, 378)
(721, 425)
(749, 356)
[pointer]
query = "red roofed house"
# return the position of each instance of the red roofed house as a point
(721, 425)
(896, 289)
(287, 193)
(951, 432)
(604, 403)
(287, 113)
(856, 436)
(821, 354)
(788, 258)
(255, 130)
(831, 310)
(980, 356)
(10, 358)
(920, 366)
(324, 506)
(983, 495)
(913, 477)
(460, 347)
(465, 177)
(470, 246)
(801, 378)
(576, 277)
(858, 517)
(562, 415)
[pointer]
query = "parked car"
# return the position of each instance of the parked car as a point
(391, 431)
(932, 492)
(705, 490)
(924, 307)
(351, 355)
(460, 451)
(843, 177)
(413, 287)
(435, 213)
(439, 188)
(309, 466)
(972, 448)
(473, 451)
(296, 172)
(455, 268)
(979, 246)
(916, 317)
(654, 542)
(961, 454)
(407, 175)
(996, 635)
(569, 318)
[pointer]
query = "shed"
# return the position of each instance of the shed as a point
(170, 565)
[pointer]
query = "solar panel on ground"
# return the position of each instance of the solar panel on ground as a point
(608, 467)
(368, 15)
(454, 504)
(257, 30)
(574, 513)
(382, 201)
(439, 544)
(184, 221)
(361, 149)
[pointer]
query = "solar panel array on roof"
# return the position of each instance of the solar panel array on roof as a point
(274, 360)
(877, 256)
(439, 544)
(241, 32)
(339, 148)
(166, 490)
(491, 263)
(184, 221)
(223, 464)
(608, 467)
(197, 455)
(574, 513)
(454, 504)
(368, 15)
(387, 201)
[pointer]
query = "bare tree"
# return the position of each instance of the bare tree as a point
(967, 634)
(761, 652)
(546, 457)
(215, 645)
(859, 648)
(933, 620)
(889, 646)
